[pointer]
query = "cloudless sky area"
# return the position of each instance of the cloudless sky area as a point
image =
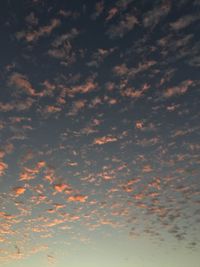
(99, 133)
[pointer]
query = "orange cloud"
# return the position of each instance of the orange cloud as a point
(3, 167)
(19, 191)
(104, 140)
(139, 125)
(77, 198)
(55, 222)
(28, 174)
(61, 187)
(49, 174)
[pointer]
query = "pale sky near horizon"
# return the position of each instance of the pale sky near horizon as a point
(99, 133)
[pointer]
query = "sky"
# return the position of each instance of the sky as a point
(99, 133)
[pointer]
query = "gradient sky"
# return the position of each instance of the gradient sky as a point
(99, 143)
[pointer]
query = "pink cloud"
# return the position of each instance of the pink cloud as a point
(111, 13)
(33, 36)
(87, 87)
(3, 167)
(52, 109)
(178, 90)
(104, 140)
(22, 82)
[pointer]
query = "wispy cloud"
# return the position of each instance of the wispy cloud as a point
(104, 140)
(33, 36)
(126, 24)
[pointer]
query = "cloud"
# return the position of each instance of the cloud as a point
(6, 107)
(77, 106)
(99, 56)
(139, 124)
(21, 81)
(132, 93)
(139, 196)
(62, 53)
(49, 175)
(123, 70)
(61, 187)
(183, 22)
(102, 167)
(3, 167)
(41, 164)
(26, 104)
(19, 191)
(178, 90)
(61, 47)
(55, 222)
(112, 13)
(104, 140)
(33, 36)
(71, 163)
(51, 109)
(65, 38)
(29, 174)
(147, 168)
(77, 198)
(85, 88)
(153, 17)
(155, 184)
(124, 26)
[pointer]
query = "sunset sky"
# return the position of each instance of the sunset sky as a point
(100, 133)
